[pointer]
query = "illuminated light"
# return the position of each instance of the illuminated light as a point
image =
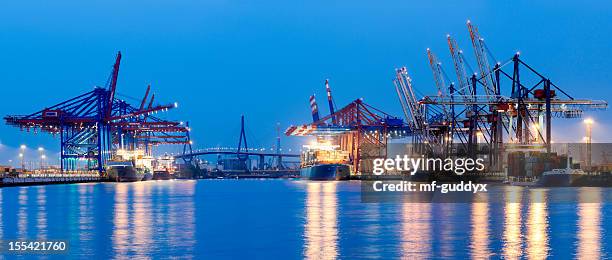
(589, 121)
(23, 146)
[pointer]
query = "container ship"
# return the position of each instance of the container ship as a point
(560, 177)
(129, 166)
(323, 161)
(574, 178)
(124, 171)
(164, 168)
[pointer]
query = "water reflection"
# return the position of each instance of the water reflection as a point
(448, 215)
(1, 218)
(537, 225)
(589, 224)
(41, 217)
(121, 230)
(141, 218)
(416, 230)
(480, 229)
(321, 228)
(157, 219)
(181, 217)
(86, 222)
(22, 214)
(512, 237)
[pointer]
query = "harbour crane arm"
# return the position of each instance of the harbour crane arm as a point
(435, 65)
(481, 58)
(113, 85)
(330, 101)
(458, 63)
(314, 108)
(144, 99)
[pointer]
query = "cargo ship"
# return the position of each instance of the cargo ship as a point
(161, 175)
(124, 171)
(129, 166)
(323, 161)
(148, 175)
(164, 168)
(561, 177)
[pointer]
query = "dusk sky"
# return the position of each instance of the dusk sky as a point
(221, 59)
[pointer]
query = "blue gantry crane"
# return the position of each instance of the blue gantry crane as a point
(93, 125)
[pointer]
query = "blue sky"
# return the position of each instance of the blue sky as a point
(221, 59)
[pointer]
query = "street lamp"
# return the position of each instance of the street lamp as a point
(41, 151)
(589, 138)
(42, 159)
(22, 155)
(22, 164)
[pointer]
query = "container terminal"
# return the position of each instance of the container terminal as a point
(502, 111)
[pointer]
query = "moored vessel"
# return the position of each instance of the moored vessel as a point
(129, 166)
(124, 171)
(147, 175)
(164, 168)
(161, 175)
(323, 161)
(560, 177)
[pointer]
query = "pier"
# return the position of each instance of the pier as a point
(24, 179)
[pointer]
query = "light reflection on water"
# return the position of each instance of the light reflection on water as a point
(416, 230)
(512, 224)
(121, 231)
(22, 213)
(537, 225)
(589, 228)
(479, 240)
(321, 230)
(322, 220)
(41, 217)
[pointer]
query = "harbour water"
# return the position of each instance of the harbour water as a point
(290, 219)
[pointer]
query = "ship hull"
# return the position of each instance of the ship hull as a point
(147, 176)
(161, 175)
(325, 172)
(558, 180)
(576, 180)
(125, 174)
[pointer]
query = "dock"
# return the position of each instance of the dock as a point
(48, 178)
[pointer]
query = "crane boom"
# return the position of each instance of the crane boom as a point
(113, 85)
(330, 101)
(437, 73)
(314, 108)
(459, 65)
(404, 84)
(481, 58)
(144, 99)
(436, 68)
